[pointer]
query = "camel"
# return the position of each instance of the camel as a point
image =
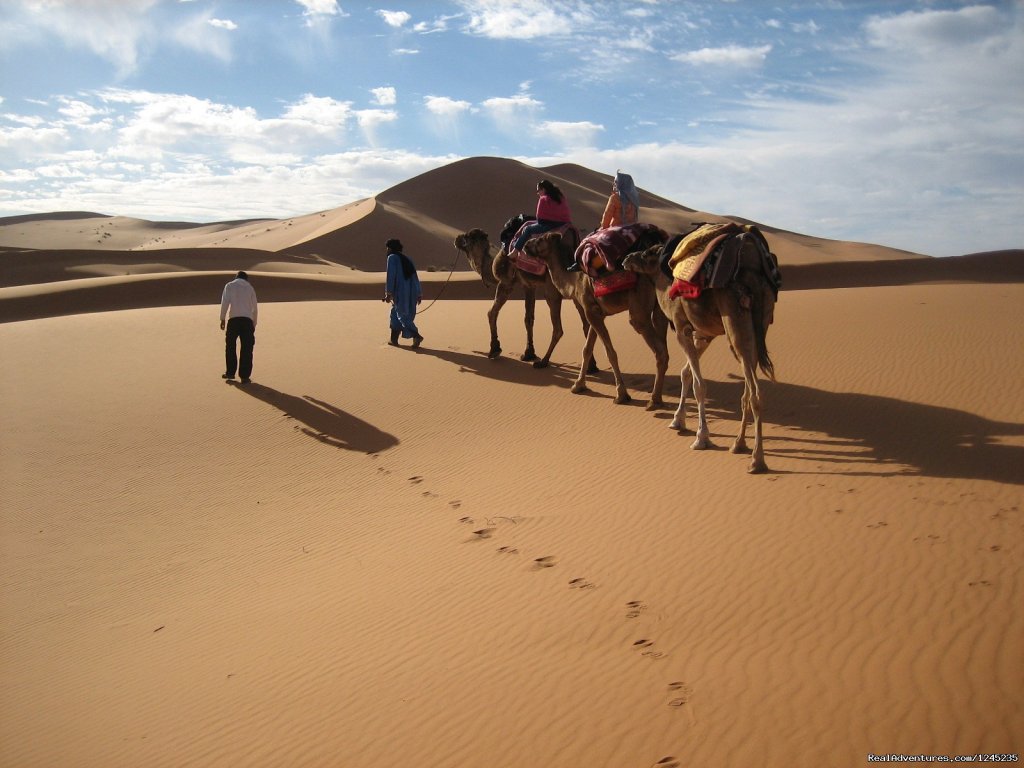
(640, 301)
(499, 273)
(742, 312)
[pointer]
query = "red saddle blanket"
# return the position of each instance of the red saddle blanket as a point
(614, 282)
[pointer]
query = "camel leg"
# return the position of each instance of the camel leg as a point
(703, 439)
(592, 366)
(597, 324)
(530, 302)
(588, 353)
(501, 295)
(685, 380)
(741, 336)
(647, 325)
(555, 307)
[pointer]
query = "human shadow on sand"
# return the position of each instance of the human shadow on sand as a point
(323, 421)
(911, 438)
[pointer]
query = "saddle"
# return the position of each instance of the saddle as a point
(524, 261)
(603, 250)
(708, 257)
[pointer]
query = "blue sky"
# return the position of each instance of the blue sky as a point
(900, 123)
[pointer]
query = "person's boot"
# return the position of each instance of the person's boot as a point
(417, 340)
(394, 338)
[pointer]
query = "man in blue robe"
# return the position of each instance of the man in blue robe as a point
(402, 290)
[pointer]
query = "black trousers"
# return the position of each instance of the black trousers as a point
(239, 329)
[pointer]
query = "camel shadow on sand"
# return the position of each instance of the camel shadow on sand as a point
(323, 421)
(506, 368)
(912, 438)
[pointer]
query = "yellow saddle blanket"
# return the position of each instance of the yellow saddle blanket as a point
(689, 256)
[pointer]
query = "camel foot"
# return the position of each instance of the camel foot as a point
(678, 425)
(623, 398)
(654, 404)
(757, 467)
(578, 388)
(540, 363)
(701, 444)
(739, 447)
(495, 350)
(592, 368)
(529, 355)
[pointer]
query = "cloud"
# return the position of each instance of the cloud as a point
(321, 7)
(384, 96)
(571, 135)
(444, 106)
(222, 24)
(394, 18)
(729, 56)
(525, 19)
(505, 109)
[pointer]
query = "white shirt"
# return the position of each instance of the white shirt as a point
(238, 300)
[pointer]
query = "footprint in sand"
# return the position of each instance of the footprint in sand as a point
(681, 693)
(382, 471)
(581, 584)
(667, 762)
(466, 520)
(879, 524)
(648, 649)
(455, 504)
(415, 479)
(484, 533)
(635, 607)
(508, 550)
(982, 583)
(548, 561)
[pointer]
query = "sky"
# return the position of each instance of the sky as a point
(890, 122)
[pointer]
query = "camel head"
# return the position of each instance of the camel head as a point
(544, 246)
(477, 247)
(475, 239)
(646, 262)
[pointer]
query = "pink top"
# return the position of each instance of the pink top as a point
(549, 210)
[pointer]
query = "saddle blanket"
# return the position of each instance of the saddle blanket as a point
(606, 248)
(690, 254)
(717, 261)
(532, 264)
(622, 280)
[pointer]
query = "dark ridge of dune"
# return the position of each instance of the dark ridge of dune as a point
(53, 216)
(31, 267)
(988, 267)
(178, 289)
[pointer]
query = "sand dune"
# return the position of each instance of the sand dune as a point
(375, 557)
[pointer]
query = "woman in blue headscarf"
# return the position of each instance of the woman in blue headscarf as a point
(623, 204)
(402, 290)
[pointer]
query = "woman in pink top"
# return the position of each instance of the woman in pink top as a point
(552, 212)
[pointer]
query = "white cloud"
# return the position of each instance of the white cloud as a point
(934, 30)
(384, 96)
(525, 19)
(512, 108)
(321, 7)
(370, 120)
(730, 56)
(405, 51)
(445, 107)
(394, 18)
(570, 135)
(222, 24)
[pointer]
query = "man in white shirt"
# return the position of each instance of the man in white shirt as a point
(238, 306)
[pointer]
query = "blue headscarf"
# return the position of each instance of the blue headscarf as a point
(627, 190)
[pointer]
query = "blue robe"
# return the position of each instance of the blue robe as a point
(405, 294)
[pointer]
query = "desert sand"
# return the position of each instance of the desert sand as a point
(374, 557)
